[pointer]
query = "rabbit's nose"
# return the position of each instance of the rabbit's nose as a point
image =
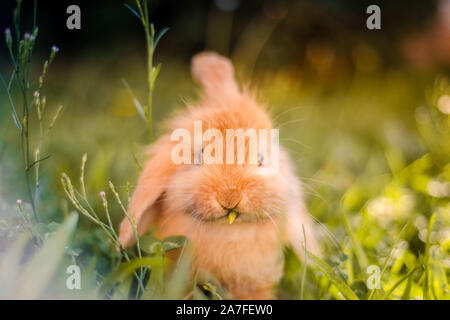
(230, 198)
(228, 208)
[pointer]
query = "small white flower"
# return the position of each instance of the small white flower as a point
(55, 49)
(102, 194)
(19, 202)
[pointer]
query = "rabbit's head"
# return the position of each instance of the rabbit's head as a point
(221, 180)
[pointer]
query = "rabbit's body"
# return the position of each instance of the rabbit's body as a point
(245, 258)
(196, 200)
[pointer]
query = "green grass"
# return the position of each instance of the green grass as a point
(372, 151)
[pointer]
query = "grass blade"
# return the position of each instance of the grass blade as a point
(359, 251)
(427, 258)
(346, 291)
(132, 10)
(159, 36)
(39, 270)
(408, 275)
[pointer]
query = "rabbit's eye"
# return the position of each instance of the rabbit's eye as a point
(199, 157)
(260, 159)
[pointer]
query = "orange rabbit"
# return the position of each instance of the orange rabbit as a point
(233, 216)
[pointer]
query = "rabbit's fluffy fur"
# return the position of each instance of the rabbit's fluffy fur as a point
(190, 200)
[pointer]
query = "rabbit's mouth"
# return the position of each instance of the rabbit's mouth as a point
(220, 219)
(229, 218)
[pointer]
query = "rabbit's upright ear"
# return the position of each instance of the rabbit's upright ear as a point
(150, 187)
(215, 74)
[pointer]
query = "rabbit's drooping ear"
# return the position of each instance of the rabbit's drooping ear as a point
(150, 187)
(215, 73)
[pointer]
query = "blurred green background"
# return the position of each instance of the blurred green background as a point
(364, 113)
